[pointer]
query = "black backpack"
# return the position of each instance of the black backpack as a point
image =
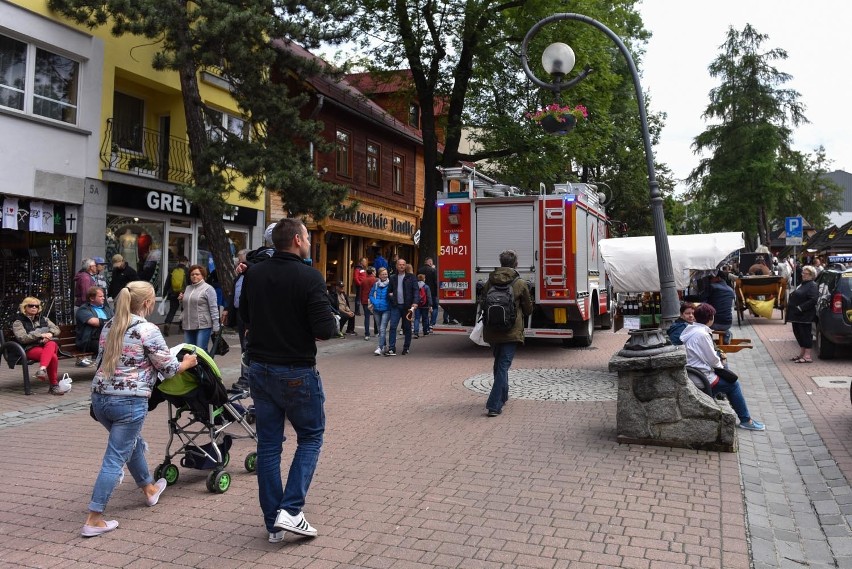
(499, 310)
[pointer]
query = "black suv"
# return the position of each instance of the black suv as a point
(833, 324)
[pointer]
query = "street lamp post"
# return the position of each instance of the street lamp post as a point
(558, 60)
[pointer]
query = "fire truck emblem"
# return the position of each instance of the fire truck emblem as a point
(454, 238)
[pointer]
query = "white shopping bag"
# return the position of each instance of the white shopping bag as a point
(161, 310)
(476, 335)
(64, 385)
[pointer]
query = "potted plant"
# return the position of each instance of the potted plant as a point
(559, 119)
(142, 165)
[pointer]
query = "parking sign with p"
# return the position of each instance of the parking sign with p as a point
(793, 229)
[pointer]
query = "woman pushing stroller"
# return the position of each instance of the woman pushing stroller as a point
(132, 352)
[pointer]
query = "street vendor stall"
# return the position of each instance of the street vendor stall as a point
(631, 263)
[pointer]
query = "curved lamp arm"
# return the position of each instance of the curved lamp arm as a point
(668, 292)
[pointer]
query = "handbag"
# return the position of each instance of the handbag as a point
(221, 347)
(726, 374)
(476, 334)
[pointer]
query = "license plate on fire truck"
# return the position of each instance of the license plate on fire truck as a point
(461, 285)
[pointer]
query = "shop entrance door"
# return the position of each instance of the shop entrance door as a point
(180, 244)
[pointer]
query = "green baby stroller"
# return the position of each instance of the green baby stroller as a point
(200, 412)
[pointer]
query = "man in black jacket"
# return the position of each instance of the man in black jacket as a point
(285, 308)
(402, 298)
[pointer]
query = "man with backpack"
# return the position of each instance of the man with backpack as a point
(506, 304)
(175, 285)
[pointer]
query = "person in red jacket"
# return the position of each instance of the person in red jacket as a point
(366, 287)
(358, 274)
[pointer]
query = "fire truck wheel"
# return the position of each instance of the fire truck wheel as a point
(584, 333)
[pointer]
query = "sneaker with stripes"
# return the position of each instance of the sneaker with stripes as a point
(295, 524)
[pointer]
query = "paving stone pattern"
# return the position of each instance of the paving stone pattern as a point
(558, 384)
(794, 491)
(413, 475)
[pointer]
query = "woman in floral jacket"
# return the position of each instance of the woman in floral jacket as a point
(132, 353)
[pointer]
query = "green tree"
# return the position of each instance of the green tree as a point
(232, 39)
(605, 148)
(465, 56)
(810, 194)
(751, 168)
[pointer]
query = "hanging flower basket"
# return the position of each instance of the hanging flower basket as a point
(558, 124)
(559, 119)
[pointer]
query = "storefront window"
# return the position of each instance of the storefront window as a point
(140, 242)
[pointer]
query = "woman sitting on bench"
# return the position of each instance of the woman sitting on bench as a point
(37, 334)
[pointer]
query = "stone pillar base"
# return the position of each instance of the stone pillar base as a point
(659, 405)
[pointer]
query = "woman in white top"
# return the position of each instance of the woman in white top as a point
(200, 316)
(701, 354)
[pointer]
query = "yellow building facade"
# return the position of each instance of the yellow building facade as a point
(106, 141)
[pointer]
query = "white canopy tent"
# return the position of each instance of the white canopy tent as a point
(632, 261)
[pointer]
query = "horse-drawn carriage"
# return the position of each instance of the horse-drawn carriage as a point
(761, 295)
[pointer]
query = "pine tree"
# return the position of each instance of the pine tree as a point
(748, 175)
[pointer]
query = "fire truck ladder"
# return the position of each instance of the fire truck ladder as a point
(553, 263)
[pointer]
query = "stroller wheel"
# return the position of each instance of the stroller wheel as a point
(168, 471)
(218, 481)
(226, 459)
(251, 462)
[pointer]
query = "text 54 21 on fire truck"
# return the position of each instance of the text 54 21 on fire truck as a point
(556, 239)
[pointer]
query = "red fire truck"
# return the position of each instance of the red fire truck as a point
(555, 236)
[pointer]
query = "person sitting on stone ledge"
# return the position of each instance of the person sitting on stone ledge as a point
(686, 318)
(701, 354)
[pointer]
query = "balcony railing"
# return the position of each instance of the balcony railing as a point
(146, 152)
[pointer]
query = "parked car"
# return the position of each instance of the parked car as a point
(833, 324)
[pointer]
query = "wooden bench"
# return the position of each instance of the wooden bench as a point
(732, 347)
(14, 353)
(68, 343)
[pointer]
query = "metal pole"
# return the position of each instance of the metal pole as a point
(668, 292)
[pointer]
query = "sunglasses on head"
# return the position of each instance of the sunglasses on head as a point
(34, 306)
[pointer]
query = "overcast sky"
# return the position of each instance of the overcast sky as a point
(686, 39)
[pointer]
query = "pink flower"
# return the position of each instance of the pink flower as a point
(559, 112)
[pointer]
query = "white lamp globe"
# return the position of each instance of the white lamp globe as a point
(558, 58)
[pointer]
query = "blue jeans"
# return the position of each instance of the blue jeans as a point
(122, 416)
(200, 338)
(504, 353)
(735, 398)
(383, 316)
(421, 316)
(398, 313)
(294, 393)
(367, 316)
(434, 319)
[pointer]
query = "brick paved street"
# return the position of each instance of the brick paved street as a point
(414, 475)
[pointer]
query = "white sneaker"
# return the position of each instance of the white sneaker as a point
(276, 537)
(378, 351)
(296, 524)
